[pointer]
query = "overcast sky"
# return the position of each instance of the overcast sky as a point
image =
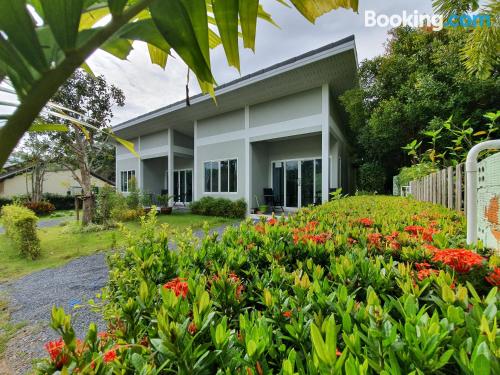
(148, 87)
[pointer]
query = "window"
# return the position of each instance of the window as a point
(221, 176)
(125, 177)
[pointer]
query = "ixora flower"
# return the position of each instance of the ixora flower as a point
(426, 272)
(192, 329)
(272, 221)
(287, 314)
(414, 229)
(494, 277)
(367, 222)
(55, 349)
(179, 286)
(109, 356)
(459, 259)
(374, 238)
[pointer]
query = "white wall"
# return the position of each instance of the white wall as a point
(227, 122)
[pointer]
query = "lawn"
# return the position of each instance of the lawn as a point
(59, 246)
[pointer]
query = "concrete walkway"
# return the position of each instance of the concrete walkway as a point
(43, 224)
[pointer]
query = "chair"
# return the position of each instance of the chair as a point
(271, 200)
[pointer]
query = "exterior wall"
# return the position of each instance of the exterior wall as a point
(183, 163)
(154, 175)
(122, 152)
(129, 164)
(183, 140)
(291, 107)
(228, 122)
(54, 182)
(298, 148)
(226, 150)
(261, 171)
(153, 145)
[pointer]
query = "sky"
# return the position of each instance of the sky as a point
(148, 87)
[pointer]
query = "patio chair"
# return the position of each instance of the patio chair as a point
(271, 200)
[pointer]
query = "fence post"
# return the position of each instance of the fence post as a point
(450, 188)
(458, 187)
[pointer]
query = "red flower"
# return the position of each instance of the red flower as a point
(459, 259)
(55, 350)
(260, 228)
(338, 352)
(374, 238)
(494, 277)
(428, 233)
(109, 356)
(192, 329)
(426, 272)
(431, 248)
(422, 266)
(367, 222)
(239, 290)
(287, 314)
(272, 221)
(179, 286)
(414, 229)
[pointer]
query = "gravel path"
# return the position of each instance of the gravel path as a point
(43, 224)
(31, 299)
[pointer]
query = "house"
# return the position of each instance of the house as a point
(281, 128)
(17, 181)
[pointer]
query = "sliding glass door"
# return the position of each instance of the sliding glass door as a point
(297, 183)
(183, 185)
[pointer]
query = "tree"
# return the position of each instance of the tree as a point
(41, 47)
(414, 87)
(83, 150)
(36, 155)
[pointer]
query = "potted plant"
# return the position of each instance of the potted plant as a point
(164, 202)
(261, 208)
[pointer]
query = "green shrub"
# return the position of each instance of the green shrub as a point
(61, 202)
(408, 174)
(223, 207)
(360, 285)
(5, 201)
(20, 226)
(107, 200)
(134, 195)
(372, 177)
(42, 208)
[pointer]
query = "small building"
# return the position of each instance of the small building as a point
(17, 182)
(281, 128)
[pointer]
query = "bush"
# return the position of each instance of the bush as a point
(61, 202)
(134, 195)
(408, 174)
(42, 208)
(107, 200)
(360, 285)
(5, 201)
(210, 206)
(20, 226)
(372, 177)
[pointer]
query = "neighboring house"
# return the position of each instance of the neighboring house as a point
(61, 182)
(280, 128)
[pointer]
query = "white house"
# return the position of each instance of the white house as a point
(280, 128)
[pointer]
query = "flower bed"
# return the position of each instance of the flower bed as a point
(359, 285)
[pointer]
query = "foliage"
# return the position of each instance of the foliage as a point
(20, 226)
(458, 140)
(107, 199)
(41, 208)
(360, 285)
(419, 82)
(415, 172)
(372, 177)
(134, 195)
(41, 57)
(222, 207)
(5, 201)
(61, 202)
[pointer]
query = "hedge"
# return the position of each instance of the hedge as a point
(222, 207)
(61, 202)
(20, 226)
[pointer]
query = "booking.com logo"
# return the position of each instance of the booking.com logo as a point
(435, 21)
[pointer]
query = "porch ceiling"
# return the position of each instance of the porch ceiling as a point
(335, 64)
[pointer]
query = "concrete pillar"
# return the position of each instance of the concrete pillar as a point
(325, 141)
(170, 161)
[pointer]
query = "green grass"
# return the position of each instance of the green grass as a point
(7, 329)
(59, 246)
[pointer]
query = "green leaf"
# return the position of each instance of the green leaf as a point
(118, 47)
(174, 23)
(46, 127)
(213, 39)
(157, 56)
(145, 31)
(127, 144)
(13, 64)
(226, 17)
(116, 6)
(319, 344)
(87, 68)
(16, 22)
(251, 348)
(197, 11)
(248, 20)
(63, 18)
(88, 19)
(312, 9)
(481, 365)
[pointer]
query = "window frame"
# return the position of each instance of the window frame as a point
(219, 174)
(124, 182)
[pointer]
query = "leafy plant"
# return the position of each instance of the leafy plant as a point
(20, 226)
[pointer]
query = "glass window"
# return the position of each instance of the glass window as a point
(215, 176)
(125, 177)
(233, 176)
(224, 176)
(208, 166)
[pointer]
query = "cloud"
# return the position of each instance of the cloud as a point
(148, 87)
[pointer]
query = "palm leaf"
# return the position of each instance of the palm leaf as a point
(63, 18)
(312, 9)
(226, 17)
(248, 18)
(157, 56)
(39, 127)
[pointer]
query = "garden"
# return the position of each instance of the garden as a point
(361, 285)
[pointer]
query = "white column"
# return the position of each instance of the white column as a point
(195, 162)
(140, 174)
(334, 169)
(325, 142)
(170, 162)
(248, 161)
